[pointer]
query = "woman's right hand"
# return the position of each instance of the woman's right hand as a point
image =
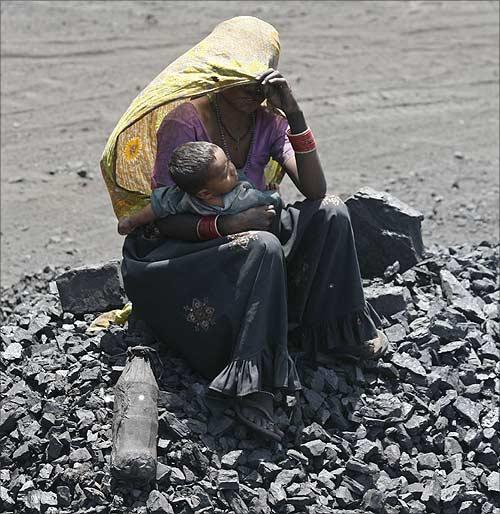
(259, 218)
(256, 218)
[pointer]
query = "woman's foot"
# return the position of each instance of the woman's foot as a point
(367, 350)
(256, 412)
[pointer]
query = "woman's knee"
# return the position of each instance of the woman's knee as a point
(265, 241)
(335, 211)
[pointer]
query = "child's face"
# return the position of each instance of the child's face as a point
(223, 175)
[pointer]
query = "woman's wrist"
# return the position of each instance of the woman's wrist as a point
(231, 224)
(297, 121)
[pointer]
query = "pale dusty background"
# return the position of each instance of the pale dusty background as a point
(403, 96)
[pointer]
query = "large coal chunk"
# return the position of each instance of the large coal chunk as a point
(388, 300)
(91, 288)
(386, 230)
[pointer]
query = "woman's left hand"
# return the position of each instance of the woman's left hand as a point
(278, 91)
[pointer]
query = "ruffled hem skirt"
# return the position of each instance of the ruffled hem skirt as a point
(227, 305)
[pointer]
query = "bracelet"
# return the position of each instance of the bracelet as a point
(206, 228)
(303, 142)
(215, 226)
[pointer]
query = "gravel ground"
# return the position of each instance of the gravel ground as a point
(414, 433)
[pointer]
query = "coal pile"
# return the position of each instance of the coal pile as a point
(414, 433)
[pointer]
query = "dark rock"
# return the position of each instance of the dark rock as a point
(493, 482)
(428, 461)
(268, 470)
(64, 496)
(452, 347)
(6, 501)
(471, 307)
(315, 431)
(483, 285)
(450, 495)
(314, 448)
(32, 501)
(158, 503)
(449, 331)
(367, 450)
(232, 459)
(467, 507)
(344, 497)
(236, 503)
(373, 500)
(298, 456)
(416, 424)
(395, 333)
(39, 323)
(287, 476)
(490, 350)
(258, 504)
(392, 453)
(80, 455)
(276, 495)
(228, 479)
(22, 452)
(91, 288)
(169, 423)
(452, 446)
(13, 352)
(386, 230)
(8, 420)
(358, 466)
(469, 409)
(451, 287)
(388, 300)
(403, 360)
(432, 492)
(177, 476)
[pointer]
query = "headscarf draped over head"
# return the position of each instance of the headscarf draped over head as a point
(233, 54)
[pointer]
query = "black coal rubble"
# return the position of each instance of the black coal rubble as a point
(416, 432)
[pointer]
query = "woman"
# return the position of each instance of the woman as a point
(228, 301)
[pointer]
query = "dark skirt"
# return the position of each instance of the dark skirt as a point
(228, 305)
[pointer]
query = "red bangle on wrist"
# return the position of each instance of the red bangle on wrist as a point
(206, 228)
(303, 142)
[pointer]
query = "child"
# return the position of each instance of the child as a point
(207, 183)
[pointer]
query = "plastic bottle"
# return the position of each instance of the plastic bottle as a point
(135, 419)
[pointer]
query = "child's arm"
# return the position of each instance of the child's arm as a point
(130, 223)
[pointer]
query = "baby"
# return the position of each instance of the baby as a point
(207, 183)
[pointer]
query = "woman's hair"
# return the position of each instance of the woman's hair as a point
(189, 165)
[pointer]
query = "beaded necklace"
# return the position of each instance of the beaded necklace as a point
(223, 128)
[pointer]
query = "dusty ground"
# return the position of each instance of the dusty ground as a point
(403, 96)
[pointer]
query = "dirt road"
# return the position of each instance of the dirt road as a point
(403, 96)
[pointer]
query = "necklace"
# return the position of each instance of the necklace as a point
(223, 128)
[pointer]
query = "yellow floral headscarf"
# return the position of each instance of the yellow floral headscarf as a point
(233, 54)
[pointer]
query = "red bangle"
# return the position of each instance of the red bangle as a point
(206, 228)
(303, 142)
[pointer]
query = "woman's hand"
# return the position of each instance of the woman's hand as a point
(256, 218)
(278, 91)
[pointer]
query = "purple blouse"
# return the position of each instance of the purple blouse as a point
(183, 124)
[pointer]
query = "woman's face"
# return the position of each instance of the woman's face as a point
(244, 98)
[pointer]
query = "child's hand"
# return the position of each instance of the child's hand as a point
(125, 226)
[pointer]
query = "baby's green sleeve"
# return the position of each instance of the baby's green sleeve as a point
(165, 201)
